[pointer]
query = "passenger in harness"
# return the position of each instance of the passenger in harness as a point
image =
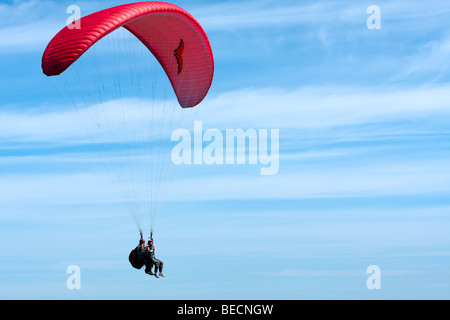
(151, 260)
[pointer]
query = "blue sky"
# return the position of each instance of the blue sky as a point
(363, 179)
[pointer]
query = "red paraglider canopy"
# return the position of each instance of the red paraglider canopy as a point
(174, 37)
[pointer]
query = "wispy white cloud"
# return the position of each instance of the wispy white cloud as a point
(302, 109)
(238, 15)
(432, 57)
(342, 273)
(293, 182)
(54, 188)
(29, 25)
(322, 107)
(250, 14)
(112, 121)
(26, 37)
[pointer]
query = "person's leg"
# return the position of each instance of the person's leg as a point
(148, 268)
(161, 265)
(156, 262)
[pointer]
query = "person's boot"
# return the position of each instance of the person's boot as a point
(149, 272)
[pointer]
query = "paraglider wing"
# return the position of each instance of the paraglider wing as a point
(174, 37)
